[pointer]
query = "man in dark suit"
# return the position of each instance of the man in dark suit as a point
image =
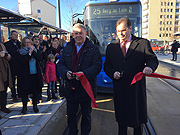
(125, 57)
(79, 56)
(12, 46)
(175, 45)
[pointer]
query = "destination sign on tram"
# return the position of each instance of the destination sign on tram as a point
(105, 10)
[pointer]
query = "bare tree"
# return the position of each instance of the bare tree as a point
(72, 7)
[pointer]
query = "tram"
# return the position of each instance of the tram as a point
(100, 18)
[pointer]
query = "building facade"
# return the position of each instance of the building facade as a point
(40, 9)
(160, 19)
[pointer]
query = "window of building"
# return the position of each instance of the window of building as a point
(161, 3)
(170, 22)
(167, 10)
(161, 10)
(176, 16)
(167, 22)
(163, 28)
(39, 18)
(38, 11)
(177, 10)
(170, 16)
(160, 22)
(177, 4)
(166, 29)
(168, 4)
(171, 10)
(164, 10)
(166, 35)
(169, 35)
(160, 16)
(170, 28)
(171, 3)
(164, 16)
(176, 22)
(159, 35)
(167, 16)
(163, 35)
(165, 3)
(160, 29)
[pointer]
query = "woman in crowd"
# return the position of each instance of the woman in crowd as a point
(5, 78)
(30, 77)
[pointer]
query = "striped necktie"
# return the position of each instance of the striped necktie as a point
(124, 48)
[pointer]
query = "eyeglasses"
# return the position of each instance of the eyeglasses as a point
(27, 42)
(121, 31)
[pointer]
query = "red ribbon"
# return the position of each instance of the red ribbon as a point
(139, 76)
(85, 83)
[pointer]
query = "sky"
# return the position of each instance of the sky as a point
(13, 5)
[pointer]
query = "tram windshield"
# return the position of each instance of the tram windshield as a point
(100, 21)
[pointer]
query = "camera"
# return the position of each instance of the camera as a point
(6, 54)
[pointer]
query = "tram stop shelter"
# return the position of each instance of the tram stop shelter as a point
(11, 19)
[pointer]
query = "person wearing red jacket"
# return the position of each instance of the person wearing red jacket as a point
(50, 76)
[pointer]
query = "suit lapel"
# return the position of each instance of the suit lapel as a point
(118, 49)
(132, 46)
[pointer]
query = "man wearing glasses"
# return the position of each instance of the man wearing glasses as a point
(125, 57)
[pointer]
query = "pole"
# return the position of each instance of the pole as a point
(59, 13)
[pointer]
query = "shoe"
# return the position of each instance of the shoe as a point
(54, 96)
(0, 117)
(35, 108)
(49, 98)
(15, 99)
(6, 110)
(61, 98)
(40, 100)
(24, 111)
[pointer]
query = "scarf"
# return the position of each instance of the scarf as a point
(25, 50)
(74, 64)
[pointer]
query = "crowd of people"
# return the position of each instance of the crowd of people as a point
(25, 64)
(38, 59)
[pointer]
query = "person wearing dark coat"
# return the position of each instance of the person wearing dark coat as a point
(129, 100)
(79, 56)
(12, 46)
(30, 77)
(175, 45)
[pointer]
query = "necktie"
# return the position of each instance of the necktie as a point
(124, 48)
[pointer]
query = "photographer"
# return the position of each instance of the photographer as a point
(5, 78)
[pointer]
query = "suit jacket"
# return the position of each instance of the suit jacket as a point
(130, 101)
(90, 63)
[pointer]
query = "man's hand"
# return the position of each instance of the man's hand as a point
(77, 77)
(69, 75)
(117, 75)
(8, 57)
(147, 71)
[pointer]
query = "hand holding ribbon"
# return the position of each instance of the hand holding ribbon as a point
(139, 76)
(85, 83)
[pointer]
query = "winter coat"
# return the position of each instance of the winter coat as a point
(175, 47)
(12, 48)
(90, 64)
(50, 74)
(130, 100)
(24, 78)
(4, 76)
